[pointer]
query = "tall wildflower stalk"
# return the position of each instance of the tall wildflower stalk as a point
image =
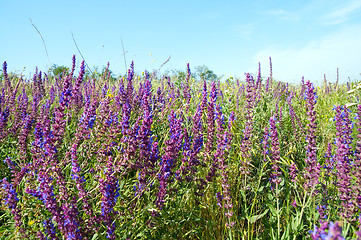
(209, 107)
(274, 153)
(8, 85)
(77, 94)
(147, 159)
(168, 161)
(246, 144)
(109, 187)
(357, 165)
(343, 165)
(11, 201)
(312, 168)
(211, 115)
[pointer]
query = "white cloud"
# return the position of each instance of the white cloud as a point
(342, 14)
(323, 56)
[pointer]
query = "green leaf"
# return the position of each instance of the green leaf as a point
(256, 217)
(350, 104)
(351, 91)
(95, 236)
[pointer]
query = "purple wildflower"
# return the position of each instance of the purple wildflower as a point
(110, 193)
(220, 159)
(71, 222)
(197, 139)
(11, 201)
(52, 94)
(219, 198)
(186, 89)
(343, 164)
(357, 163)
(334, 231)
(204, 97)
(147, 161)
(293, 172)
(265, 143)
(329, 162)
(168, 161)
(312, 168)
(49, 230)
(22, 142)
(270, 69)
(77, 97)
(275, 153)
(130, 88)
(21, 110)
(80, 185)
(258, 84)
(4, 116)
(6, 78)
(247, 133)
(210, 119)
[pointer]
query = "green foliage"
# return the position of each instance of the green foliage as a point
(205, 74)
(201, 73)
(354, 92)
(58, 71)
(104, 73)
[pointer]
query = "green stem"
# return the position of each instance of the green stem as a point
(302, 209)
(254, 200)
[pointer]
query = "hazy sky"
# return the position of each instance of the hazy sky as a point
(307, 38)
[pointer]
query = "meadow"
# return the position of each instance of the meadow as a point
(165, 157)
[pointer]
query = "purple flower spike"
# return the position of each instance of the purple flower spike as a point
(11, 200)
(265, 143)
(146, 158)
(4, 116)
(327, 231)
(292, 112)
(77, 95)
(293, 172)
(275, 153)
(186, 89)
(312, 169)
(357, 162)
(110, 191)
(219, 199)
(211, 119)
(247, 136)
(204, 97)
(343, 166)
(49, 230)
(192, 147)
(6, 78)
(223, 142)
(130, 88)
(168, 162)
(80, 185)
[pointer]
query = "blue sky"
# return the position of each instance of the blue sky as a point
(304, 38)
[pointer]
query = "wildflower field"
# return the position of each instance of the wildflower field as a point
(146, 157)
